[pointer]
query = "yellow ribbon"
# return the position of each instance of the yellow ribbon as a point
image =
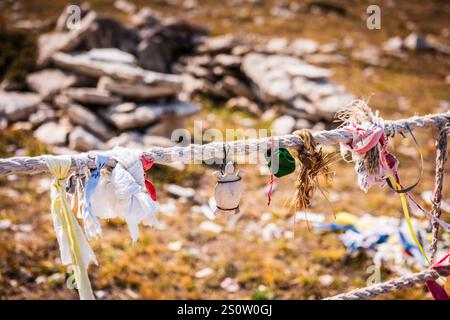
(74, 247)
(408, 219)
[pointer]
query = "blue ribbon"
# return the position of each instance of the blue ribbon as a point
(91, 185)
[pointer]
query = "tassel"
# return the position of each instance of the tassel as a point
(74, 248)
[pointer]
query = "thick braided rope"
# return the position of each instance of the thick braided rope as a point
(441, 158)
(35, 165)
(393, 285)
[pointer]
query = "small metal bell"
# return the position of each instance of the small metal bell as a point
(228, 190)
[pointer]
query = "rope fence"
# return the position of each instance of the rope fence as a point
(36, 165)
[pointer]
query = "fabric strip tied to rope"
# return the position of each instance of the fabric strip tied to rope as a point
(74, 248)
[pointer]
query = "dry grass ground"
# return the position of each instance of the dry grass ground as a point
(281, 269)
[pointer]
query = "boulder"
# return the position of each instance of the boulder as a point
(53, 133)
(83, 141)
(321, 58)
(227, 60)
(145, 114)
(82, 63)
(82, 116)
(145, 18)
(109, 32)
(17, 106)
(243, 103)
(50, 82)
(112, 55)
(52, 42)
(164, 44)
(43, 114)
(301, 47)
(283, 125)
(218, 44)
(136, 90)
(273, 75)
(92, 96)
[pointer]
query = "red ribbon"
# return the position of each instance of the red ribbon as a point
(147, 164)
(272, 176)
(438, 292)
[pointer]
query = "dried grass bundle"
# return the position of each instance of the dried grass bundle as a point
(314, 164)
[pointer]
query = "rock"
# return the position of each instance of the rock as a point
(241, 50)
(145, 18)
(245, 104)
(328, 106)
(53, 133)
(84, 64)
(316, 90)
(50, 82)
(326, 59)
(137, 90)
(166, 126)
(237, 87)
(276, 46)
(82, 140)
(273, 75)
(330, 47)
(218, 44)
(203, 273)
(44, 114)
(145, 114)
(227, 61)
(283, 125)
(302, 124)
(49, 43)
(369, 55)
(125, 6)
(11, 85)
(109, 32)
(84, 117)
(22, 126)
(162, 46)
(301, 47)
(180, 192)
(112, 55)
(210, 227)
(16, 106)
(129, 139)
(93, 96)
(393, 45)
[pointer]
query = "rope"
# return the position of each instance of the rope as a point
(393, 285)
(441, 158)
(36, 165)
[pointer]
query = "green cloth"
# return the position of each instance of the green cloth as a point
(285, 161)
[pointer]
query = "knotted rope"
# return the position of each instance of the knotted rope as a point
(36, 165)
(393, 285)
(441, 158)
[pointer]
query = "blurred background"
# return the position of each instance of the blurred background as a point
(79, 76)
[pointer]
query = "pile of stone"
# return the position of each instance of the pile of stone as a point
(258, 78)
(102, 83)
